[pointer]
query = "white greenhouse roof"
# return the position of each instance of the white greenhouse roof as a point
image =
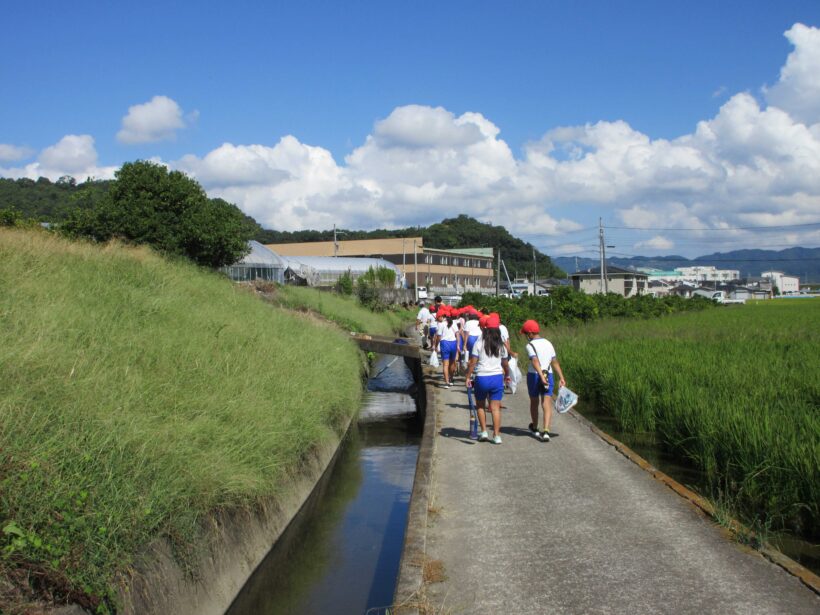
(260, 256)
(339, 264)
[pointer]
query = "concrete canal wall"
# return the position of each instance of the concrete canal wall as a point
(238, 544)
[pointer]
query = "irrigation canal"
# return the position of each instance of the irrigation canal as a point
(341, 553)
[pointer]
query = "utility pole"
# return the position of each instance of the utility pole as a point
(498, 274)
(416, 270)
(604, 279)
(601, 251)
(534, 273)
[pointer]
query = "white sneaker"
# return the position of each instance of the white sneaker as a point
(497, 440)
(545, 436)
(483, 436)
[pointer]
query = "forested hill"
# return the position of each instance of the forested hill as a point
(48, 201)
(451, 233)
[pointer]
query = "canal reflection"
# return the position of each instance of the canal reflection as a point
(341, 553)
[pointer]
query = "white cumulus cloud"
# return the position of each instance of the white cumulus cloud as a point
(798, 90)
(12, 153)
(754, 163)
(655, 243)
(159, 119)
(73, 155)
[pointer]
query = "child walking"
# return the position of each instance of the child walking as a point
(540, 381)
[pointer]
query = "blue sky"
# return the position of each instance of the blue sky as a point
(541, 116)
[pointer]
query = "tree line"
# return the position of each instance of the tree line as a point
(146, 203)
(567, 306)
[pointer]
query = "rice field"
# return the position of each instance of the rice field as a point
(734, 391)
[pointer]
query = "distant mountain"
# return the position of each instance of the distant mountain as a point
(801, 262)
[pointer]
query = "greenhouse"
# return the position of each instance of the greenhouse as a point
(260, 264)
(326, 270)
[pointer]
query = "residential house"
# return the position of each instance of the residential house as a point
(619, 281)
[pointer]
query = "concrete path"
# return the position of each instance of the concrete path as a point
(573, 526)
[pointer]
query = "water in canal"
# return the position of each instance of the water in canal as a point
(341, 552)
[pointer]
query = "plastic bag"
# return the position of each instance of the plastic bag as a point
(434, 362)
(515, 375)
(566, 400)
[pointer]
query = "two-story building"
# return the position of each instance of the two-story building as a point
(619, 281)
(786, 284)
(442, 272)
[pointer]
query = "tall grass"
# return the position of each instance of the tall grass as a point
(137, 395)
(735, 391)
(346, 311)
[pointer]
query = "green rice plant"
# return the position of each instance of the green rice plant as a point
(734, 391)
(140, 395)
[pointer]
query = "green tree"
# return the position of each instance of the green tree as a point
(215, 233)
(344, 285)
(9, 217)
(147, 204)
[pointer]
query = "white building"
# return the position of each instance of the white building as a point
(786, 284)
(707, 274)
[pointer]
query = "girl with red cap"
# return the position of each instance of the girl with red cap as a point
(540, 381)
(446, 336)
(488, 360)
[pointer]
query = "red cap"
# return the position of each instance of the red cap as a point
(493, 321)
(482, 322)
(530, 326)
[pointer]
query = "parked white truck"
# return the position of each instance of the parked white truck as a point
(719, 296)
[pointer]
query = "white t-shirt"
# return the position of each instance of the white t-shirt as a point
(448, 334)
(487, 365)
(472, 328)
(545, 351)
(424, 314)
(431, 319)
(505, 335)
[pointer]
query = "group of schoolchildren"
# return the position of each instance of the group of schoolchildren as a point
(469, 333)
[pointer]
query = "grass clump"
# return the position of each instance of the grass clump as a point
(734, 391)
(137, 396)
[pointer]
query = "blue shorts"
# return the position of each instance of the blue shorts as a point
(536, 388)
(471, 342)
(432, 332)
(489, 386)
(448, 350)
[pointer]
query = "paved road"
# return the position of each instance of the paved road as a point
(572, 526)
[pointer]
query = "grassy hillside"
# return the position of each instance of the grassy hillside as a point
(346, 312)
(137, 395)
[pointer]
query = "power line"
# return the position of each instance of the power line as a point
(727, 228)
